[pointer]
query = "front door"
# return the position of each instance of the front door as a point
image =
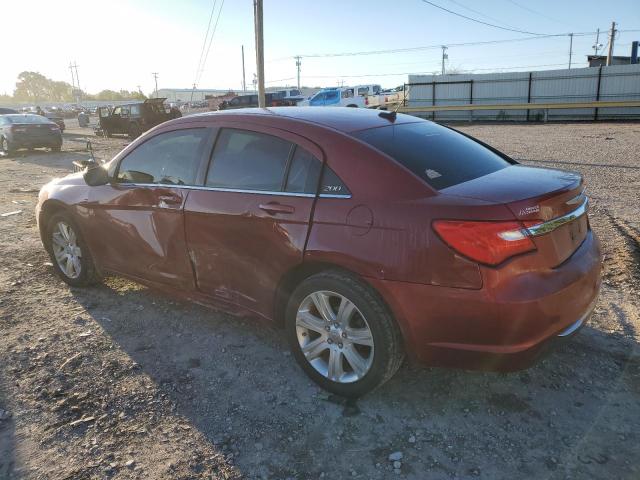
(249, 224)
(138, 222)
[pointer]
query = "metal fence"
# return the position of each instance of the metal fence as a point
(613, 83)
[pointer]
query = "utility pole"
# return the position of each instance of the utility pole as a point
(570, 48)
(612, 37)
(298, 63)
(597, 45)
(155, 77)
(73, 80)
(444, 56)
(244, 83)
(257, 10)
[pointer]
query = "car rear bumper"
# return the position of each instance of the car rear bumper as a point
(37, 142)
(505, 327)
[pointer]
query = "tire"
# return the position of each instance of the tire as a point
(134, 131)
(369, 321)
(82, 272)
(352, 106)
(5, 147)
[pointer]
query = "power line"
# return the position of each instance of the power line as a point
(204, 42)
(204, 62)
(480, 13)
(431, 72)
(535, 12)
(479, 21)
(430, 47)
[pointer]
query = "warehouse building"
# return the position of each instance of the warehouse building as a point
(188, 94)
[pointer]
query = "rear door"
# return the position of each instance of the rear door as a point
(137, 222)
(249, 224)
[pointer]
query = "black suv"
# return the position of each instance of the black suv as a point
(134, 118)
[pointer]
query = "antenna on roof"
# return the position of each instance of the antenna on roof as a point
(391, 116)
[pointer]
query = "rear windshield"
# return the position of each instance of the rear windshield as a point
(438, 155)
(27, 119)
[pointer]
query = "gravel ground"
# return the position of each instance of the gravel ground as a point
(117, 381)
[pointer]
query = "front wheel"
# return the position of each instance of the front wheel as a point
(69, 252)
(342, 334)
(5, 147)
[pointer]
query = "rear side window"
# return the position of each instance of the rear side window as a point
(438, 155)
(331, 184)
(170, 158)
(303, 172)
(249, 161)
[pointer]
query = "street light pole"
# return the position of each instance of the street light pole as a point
(257, 10)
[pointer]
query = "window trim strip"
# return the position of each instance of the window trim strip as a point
(234, 190)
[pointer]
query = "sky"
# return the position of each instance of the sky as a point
(117, 44)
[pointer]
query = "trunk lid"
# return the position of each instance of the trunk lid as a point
(537, 196)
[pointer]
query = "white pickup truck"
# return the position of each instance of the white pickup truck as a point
(387, 98)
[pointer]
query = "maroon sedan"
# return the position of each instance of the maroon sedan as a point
(368, 235)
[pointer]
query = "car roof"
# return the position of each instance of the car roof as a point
(344, 119)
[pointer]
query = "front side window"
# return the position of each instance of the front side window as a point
(363, 91)
(170, 158)
(117, 111)
(248, 161)
(332, 96)
(318, 98)
(135, 109)
(438, 155)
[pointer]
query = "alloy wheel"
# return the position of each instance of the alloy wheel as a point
(334, 337)
(66, 251)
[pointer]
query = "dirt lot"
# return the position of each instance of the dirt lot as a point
(119, 382)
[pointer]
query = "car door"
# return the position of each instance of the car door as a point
(136, 222)
(248, 225)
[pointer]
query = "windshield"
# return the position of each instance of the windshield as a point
(440, 156)
(27, 119)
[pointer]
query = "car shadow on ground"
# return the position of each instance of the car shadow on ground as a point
(236, 382)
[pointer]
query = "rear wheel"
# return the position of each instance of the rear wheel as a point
(342, 335)
(134, 131)
(68, 251)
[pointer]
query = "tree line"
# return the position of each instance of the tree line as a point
(34, 87)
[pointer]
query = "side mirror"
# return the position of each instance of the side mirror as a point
(96, 175)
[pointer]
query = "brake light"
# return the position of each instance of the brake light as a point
(490, 243)
(54, 127)
(366, 101)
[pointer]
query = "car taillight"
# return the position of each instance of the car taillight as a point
(54, 127)
(490, 243)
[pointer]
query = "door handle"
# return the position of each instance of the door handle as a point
(169, 200)
(273, 208)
